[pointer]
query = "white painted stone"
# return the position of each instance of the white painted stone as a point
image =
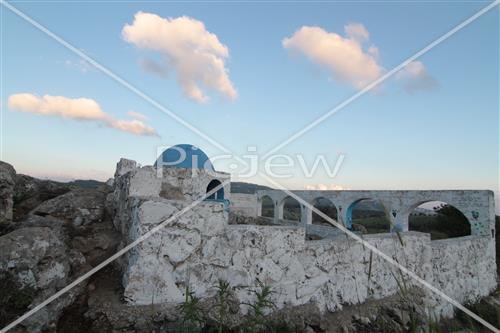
(199, 247)
(179, 244)
(217, 252)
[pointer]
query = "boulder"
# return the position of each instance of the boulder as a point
(34, 264)
(7, 183)
(30, 192)
(79, 207)
(82, 213)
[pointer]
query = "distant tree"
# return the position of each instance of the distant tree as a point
(451, 221)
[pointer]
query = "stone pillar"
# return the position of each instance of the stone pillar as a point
(400, 222)
(341, 213)
(258, 208)
(348, 217)
(278, 212)
(306, 215)
(398, 214)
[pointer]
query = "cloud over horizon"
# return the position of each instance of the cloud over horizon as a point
(415, 77)
(193, 53)
(325, 187)
(85, 109)
(351, 59)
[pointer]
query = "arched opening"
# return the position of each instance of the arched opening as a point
(439, 219)
(326, 207)
(219, 194)
(267, 206)
(368, 216)
(291, 209)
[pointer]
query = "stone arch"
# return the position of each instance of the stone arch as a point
(327, 207)
(438, 218)
(219, 194)
(267, 206)
(371, 218)
(290, 209)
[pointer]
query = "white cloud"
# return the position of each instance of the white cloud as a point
(133, 126)
(137, 115)
(195, 54)
(325, 187)
(344, 57)
(75, 108)
(350, 60)
(357, 31)
(414, 77)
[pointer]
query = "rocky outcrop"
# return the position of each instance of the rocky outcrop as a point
(79, 207)
(30, 192)
(37, 263)
(7, 182)
(52, 234)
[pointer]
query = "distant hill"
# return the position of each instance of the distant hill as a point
(246, 188)
(84, 183)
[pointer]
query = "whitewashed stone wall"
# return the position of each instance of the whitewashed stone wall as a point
(244, 204)
(199, 247)
(463, 268)
(193, 182)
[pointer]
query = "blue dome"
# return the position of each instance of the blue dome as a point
(185, 156)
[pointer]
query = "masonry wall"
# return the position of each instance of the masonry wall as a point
(198, 247)
(463, 268)
(244, 204)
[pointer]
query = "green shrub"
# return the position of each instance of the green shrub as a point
(192, 314)
(221, 305)
(256, 321)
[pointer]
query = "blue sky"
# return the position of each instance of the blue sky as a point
(442, 137)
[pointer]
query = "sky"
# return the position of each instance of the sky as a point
(252, 74)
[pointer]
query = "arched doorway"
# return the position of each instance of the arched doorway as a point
(291, 209)
(440, 219)
(368, 216)
(325, 206)
(267, 206)
(219, 194)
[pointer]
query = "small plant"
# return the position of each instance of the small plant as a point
(263, 302)
(221, 305)
(192, 314)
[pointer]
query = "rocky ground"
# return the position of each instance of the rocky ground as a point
(51, 233)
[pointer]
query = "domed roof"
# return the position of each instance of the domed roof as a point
(185, 156)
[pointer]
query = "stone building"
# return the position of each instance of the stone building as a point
(176, 238)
